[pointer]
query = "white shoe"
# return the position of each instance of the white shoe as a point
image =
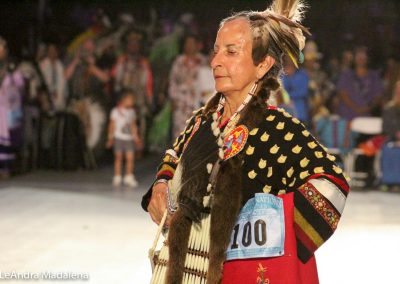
(130, 180)
(117, 180)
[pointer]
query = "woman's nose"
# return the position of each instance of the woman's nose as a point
(215, 62)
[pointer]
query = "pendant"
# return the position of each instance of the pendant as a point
(235, 141)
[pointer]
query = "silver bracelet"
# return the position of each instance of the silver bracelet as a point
(171, 208)
(161, 180)
(170, 205)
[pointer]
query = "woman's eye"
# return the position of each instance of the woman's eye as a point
(231, 52)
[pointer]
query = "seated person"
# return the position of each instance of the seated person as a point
(391, 117)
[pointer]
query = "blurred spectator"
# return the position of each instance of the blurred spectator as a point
(391, 77)
(41, 52)
(391, 116)
(29, 70)
(124, 137)
(85, 75)
(295, 83)
(360, 89)
(205, 81)
(53, 74)
(133, 72)
(347, 60)
(99, 24)
(162, 54)
(182, 84)
(333, 69)
(11, 112)
(319, 87)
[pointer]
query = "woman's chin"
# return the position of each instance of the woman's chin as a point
(220, 88)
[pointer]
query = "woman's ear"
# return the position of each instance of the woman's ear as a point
(265, 66)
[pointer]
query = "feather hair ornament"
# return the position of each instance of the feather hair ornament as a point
(291, 9)
(284, 27)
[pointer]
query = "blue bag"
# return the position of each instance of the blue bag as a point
(390, 164)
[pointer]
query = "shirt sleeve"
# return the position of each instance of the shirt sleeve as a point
(166, 168)
(113, 114)
(305, 168)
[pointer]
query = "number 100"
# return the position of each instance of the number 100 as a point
(260, 234)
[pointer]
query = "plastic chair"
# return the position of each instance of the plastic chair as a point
(367, 126)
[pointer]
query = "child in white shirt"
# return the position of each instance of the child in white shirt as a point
(123, 136)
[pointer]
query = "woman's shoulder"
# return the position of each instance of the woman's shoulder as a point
(282, 127)
(281, 118)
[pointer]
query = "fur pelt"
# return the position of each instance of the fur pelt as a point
(227, 199)
(201, 150)
(225, 208)
(228, 196)
(178, 238)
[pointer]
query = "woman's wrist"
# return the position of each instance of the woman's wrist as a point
(161, 180)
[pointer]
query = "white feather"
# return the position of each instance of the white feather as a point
(209, 168)
(97, 120)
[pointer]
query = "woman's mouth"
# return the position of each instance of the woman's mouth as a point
(218, 77)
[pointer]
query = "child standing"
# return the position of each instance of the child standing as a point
(123, 135)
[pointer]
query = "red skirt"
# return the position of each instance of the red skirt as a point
(286, 269)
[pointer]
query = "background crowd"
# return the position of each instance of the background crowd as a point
(56, 94)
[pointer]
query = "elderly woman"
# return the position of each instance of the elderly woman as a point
(256, 193)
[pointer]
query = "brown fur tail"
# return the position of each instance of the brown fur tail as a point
(225, 208)
(178, 238)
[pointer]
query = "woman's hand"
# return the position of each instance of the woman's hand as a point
(158, 203)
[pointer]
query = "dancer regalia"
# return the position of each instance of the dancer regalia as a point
(251, 199)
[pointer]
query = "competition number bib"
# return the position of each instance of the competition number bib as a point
(259, 231)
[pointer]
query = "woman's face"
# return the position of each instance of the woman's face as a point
(232, 64)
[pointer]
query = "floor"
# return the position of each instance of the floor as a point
(75, 222)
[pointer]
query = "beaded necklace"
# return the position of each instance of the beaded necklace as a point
(216, 129)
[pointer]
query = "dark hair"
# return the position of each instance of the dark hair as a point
(126, 93)
(141, 38)
(185, 38)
